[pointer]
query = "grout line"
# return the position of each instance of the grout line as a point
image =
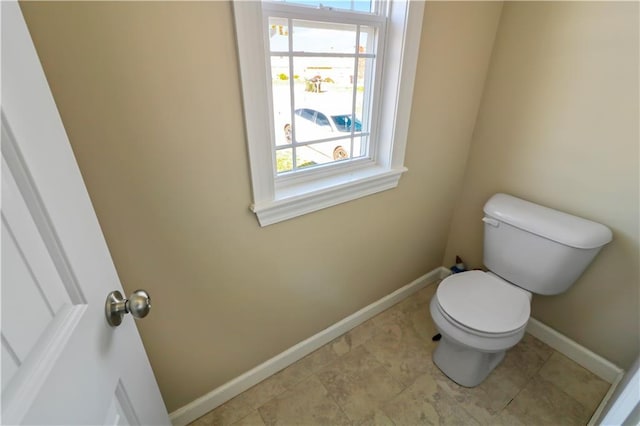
(561, 390)
(332, 398)
(260, 414)
(331, 395)
(541, 365)
(515, 396)
(530, 379)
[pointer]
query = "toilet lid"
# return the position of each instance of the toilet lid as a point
(484, 302)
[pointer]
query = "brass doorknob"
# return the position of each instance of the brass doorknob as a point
(116, 306)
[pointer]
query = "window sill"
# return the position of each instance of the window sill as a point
(299, 199)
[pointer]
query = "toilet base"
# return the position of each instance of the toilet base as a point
(466, 366)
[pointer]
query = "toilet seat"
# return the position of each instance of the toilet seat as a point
(484, 302)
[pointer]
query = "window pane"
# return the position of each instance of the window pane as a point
(358, 5)
(284, 160)
(360, 147)
(323, 152)
(364, 88)
(367, 40)
(344, 123)
(323, 37)
(278, 34)
(281, 93)
(323, 97)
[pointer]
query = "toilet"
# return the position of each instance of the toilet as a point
(528, 249)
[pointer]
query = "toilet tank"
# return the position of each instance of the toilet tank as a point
(537, 248)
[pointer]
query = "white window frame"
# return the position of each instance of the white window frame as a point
(275, 198)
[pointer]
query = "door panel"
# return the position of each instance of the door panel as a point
(121, 411)
(10, 363)
(27, 240)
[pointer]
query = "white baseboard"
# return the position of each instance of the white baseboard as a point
(190, 412)
(599, 366)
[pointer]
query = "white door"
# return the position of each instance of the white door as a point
(61, 362)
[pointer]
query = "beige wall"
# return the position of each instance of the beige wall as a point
(558, 125)
(150, 96)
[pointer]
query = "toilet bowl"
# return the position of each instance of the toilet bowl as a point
(479, 316)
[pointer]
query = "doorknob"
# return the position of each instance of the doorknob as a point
(138, 305)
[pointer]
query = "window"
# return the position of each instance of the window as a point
(327, 93)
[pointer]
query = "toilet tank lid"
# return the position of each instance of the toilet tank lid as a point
(563, 228)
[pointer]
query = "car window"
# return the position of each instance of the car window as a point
(322, 120)
(305, 113)
(343, 122)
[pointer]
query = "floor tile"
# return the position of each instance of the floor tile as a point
(226, 414)
(505, 418)
(479, 402)
(425, 402)
(354, 338)
(423, 296)
(376, 418)
(308, 403)
(581, 384)
(542, 403)
(403, 344)
(273, 386)
(263, 392)
(293, 374)
(319, 358)
(253, 419)
(524, 360)
(358, 383)
(405, 358)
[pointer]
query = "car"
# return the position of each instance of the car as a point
(314, 124)
(337, 122)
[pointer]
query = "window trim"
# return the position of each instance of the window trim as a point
(275, 200)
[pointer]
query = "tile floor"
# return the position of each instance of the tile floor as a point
(381, 373)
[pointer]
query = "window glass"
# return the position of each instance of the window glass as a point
(356, 5)
(321, 89)
(318, 37)
(284, 160)
(359, 148)
(323, 153)
(364, 92)
(281, 114)
(278, 34)
(344, 123)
